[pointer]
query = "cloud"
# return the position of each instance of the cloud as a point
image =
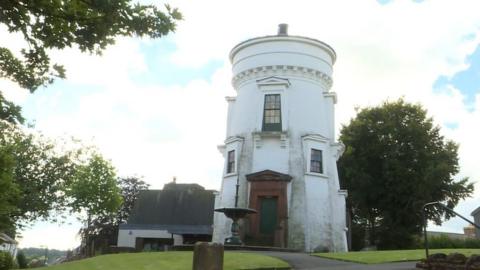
(51, 236)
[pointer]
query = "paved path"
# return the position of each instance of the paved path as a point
(302, 261)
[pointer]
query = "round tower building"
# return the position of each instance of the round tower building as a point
(280, 145)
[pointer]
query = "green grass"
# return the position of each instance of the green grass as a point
(173, 260)
(371, 257)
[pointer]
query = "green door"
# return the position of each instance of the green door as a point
(268, 215)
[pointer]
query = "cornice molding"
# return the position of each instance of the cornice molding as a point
(289, 38)
(268, 175)
(234, 139)
(315, 137)
(339, 148)
(332, 95)
(282, 70)
(230, 99)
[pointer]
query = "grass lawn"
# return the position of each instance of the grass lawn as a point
(390, 255)
(172, 260)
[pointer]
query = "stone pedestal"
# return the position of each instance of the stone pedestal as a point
(208, 256)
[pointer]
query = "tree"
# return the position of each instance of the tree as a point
(22, 260)
(93, 189)
(6, 260)
(94, 192)
(104, 229)
(90, 25)
(41, 178)
(130, 188)
(9, 192)
(395, 161)
(38, 171)
(10, 112)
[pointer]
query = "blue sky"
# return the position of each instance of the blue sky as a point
(148, 103)
(467, 81)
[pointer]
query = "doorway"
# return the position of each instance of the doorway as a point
(268, 215)
(268, 195)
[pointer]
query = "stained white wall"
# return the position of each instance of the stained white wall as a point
(127, 238)
(270, 156)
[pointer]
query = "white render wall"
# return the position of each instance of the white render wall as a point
(299, 69)
(127, 238)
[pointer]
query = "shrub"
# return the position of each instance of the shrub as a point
(443, 241)
(22, 260)
(6, 261)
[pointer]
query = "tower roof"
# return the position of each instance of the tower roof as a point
(282, 35)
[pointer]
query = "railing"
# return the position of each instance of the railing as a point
(424, 216)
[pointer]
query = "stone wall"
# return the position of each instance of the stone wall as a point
(453, 261)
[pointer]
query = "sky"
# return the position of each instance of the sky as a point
(156, 108)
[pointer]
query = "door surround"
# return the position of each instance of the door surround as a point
(269, 183)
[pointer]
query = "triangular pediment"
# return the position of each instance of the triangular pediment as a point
(273, 80)
(316, 137)
(268, 175)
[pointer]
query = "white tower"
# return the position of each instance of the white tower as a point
(280, 144)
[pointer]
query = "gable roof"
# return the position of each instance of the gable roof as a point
(268, 175)
(475, 212)
(274, 80)
(4, 238)
(178, 207)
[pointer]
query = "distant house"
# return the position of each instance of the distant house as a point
(469, 231)
(178, 214)
(476, 218)
(450, 235)
(8, 244)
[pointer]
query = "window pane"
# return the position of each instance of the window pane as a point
(272, 113)
(231, 161)
(316, 164)
(277, 102)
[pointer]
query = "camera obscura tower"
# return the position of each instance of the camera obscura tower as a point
(280, 145)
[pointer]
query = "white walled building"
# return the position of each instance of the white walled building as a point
(280, 144)
(179, 214)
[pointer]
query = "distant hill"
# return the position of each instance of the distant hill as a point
(39, 254)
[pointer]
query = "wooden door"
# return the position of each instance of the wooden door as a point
(268, 215)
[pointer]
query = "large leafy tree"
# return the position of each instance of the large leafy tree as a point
(10, 112)
(95, 194)
(395, 161)
(9, 191)
(41, 178)
(93, 189)
(39, 172)
(90, 25)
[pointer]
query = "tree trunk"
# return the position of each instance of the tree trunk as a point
(372, 232)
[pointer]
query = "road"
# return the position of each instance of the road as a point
(302, 261)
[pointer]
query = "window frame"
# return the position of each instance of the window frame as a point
(231, 162)
(316, 163)
(277, 108)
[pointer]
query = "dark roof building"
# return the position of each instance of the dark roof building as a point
(180, 213)
(476, 218)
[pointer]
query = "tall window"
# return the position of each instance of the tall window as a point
(272, 120)
(231, 162)
(316, 161)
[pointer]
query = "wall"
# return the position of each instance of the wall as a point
(125, 239)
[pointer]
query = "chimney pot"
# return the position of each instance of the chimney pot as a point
(283, 29)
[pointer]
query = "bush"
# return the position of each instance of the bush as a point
(22, 260)
(6, 261)
(443, 241)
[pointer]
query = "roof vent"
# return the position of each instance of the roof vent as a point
(283, 29)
